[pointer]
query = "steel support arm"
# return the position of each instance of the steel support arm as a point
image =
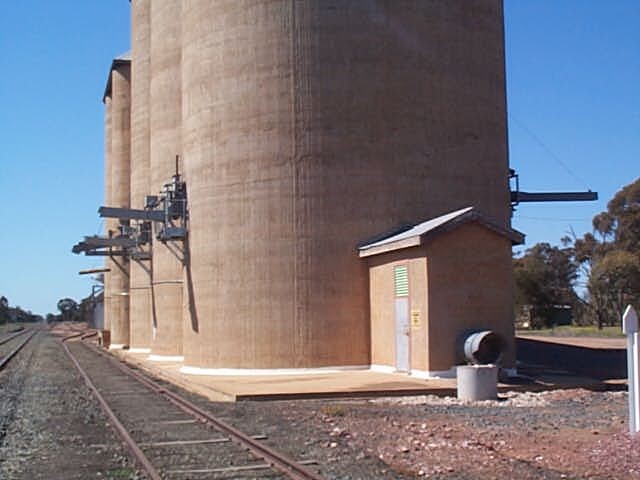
(106, 253)
(124, 242)
(519, 197)
(131, 214)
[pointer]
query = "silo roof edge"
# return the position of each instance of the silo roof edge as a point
(122, 59)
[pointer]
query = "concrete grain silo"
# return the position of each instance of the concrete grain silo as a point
(165, 144)
(108, 224)
(307, 128)
(140, 271)
(119, 91)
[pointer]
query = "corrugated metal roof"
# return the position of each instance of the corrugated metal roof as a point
(126, 56)
(435, 225)
(121, 59)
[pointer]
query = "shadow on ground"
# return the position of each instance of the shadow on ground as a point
(597, 363)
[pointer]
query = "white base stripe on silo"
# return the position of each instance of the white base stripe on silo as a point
(268, 371)
(139, 350)
(165, 358)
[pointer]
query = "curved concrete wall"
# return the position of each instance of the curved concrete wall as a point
(309, 127)
(108, 224)
(165, 118)
(120, 189)
(140, 271)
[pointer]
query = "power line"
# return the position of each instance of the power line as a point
(100, 226)
(549, 219)
(547, 149)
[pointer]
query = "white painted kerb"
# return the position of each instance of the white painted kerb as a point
(267, 371)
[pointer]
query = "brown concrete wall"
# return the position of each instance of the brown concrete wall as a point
(120, 195)
(470, 287)
(418, 306)
(165, 144)
(108, 224)
(309, 127)
(140, 271)
(382, 299)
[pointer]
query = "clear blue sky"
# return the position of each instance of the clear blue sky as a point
(573, 69)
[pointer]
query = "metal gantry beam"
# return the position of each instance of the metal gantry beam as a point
(167, 210)
(96, 241)
(528, 197)
(131, 214)
(91, 244)
(520, 197)
(107, 253)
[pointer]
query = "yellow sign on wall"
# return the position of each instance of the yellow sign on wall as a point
(416, 322)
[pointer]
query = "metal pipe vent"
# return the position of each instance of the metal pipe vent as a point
(483, 347)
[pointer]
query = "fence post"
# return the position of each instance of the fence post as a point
(630, 329)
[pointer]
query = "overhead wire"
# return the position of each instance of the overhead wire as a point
(549, 219)
(548, 150)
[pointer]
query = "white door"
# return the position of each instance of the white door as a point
(402, 334)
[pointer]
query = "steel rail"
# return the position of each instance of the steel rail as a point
(6, 359)
(283, 463)
(89, 334)
(117, 425)
(13, 335)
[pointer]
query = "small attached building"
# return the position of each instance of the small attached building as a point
(435, 282)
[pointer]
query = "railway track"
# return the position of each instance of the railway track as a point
(11, 344)
(11, 335)
(169, 436)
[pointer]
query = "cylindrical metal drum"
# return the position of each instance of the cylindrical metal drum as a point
(140, 271)
(165, 117)
(120, 187)
(309, 127)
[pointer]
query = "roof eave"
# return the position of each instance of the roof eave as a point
(118, 61)
(414, 241)
(471, 216)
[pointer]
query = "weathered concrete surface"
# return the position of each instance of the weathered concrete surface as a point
(120, 195)
(109, 223)
(309, 127)
(140, 271)
(165, 138)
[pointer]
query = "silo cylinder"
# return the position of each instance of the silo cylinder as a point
(140, 279)
(309, 127)
(165, 144)
(107, 201)
(120, 190)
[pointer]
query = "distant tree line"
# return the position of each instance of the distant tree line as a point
(9, 314)
(69, 310)
(595, 275)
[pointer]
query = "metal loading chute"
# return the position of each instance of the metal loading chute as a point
(168, 211)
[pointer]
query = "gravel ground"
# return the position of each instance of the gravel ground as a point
(549, 435)
(50, 424)
(49, 421)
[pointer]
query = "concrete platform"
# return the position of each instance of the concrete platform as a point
(354, 383)
(535, 375)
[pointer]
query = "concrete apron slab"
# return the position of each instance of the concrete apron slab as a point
(229, 388)
(346, 384)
